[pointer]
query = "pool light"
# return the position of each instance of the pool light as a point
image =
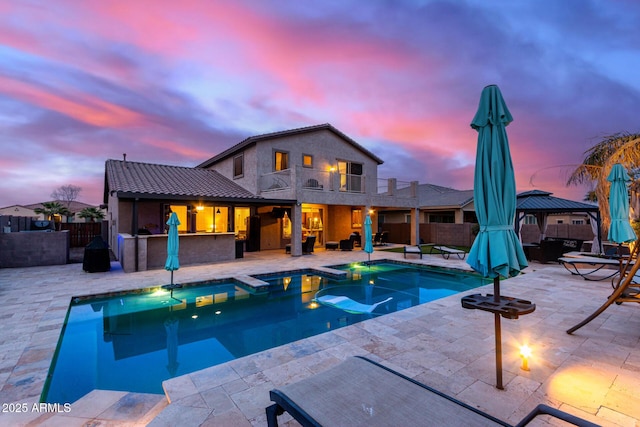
(313, 305)
(159, 292)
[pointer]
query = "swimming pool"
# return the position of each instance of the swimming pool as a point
(134, 341)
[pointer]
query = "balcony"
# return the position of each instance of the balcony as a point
(311, 179)
(322, 186)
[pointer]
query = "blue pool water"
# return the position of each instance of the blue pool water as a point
(134, 341)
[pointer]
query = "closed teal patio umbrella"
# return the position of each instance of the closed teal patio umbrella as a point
(368, 239)
(620, 230)
(173, 246)
(496, 251)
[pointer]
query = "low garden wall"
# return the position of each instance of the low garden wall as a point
(197, 248)
(33, 248)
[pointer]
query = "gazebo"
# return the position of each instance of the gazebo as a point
(542, 203)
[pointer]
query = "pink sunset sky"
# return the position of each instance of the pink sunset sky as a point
(176, 82)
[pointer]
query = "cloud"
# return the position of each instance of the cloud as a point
(178, 82)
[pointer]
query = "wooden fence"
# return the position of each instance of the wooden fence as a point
(81, 233)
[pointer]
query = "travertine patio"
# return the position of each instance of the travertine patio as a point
(594, 373)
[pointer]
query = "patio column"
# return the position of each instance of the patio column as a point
(415, 226)
(296, 229)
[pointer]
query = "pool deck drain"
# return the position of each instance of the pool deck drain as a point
(594, 373)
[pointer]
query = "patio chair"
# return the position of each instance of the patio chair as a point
(361, 392)
(346, 244)
(308, 244)
(626, 289)
(384, 238)
(377, 239)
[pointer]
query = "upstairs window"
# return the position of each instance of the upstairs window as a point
(238, 166)
(351, 178)
(281, 161)
(307, 160)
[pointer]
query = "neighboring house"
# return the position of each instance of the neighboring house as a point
(268, 190)
(19, 210)
(29, 211)
(74, 206)
(438, 205)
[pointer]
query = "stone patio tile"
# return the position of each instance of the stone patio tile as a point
(94, 403)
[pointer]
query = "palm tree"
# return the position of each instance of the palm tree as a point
(91, 214)
(591, 196)
(51, 210)
(623, 148)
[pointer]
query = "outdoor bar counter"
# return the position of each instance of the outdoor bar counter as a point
(195, 248)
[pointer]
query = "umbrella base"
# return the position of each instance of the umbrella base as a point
(507, 307)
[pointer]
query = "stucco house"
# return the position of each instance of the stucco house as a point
(437, 204)
(20, 210)
(267, 192)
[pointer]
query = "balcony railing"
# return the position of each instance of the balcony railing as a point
(275, 181)
(314, 179)
(323, 180)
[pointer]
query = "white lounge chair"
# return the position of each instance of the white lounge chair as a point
(447, 251)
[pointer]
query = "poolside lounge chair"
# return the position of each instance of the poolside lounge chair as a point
(360, 392)
(413, 249)
(626, 289)
(416, 249)
(586, 266)
(446, 251)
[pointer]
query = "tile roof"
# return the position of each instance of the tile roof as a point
(74, 206)
(308, 129)
(134, 178)
(435, 196)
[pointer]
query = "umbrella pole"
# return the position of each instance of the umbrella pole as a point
(498, 333)
(171, 285)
